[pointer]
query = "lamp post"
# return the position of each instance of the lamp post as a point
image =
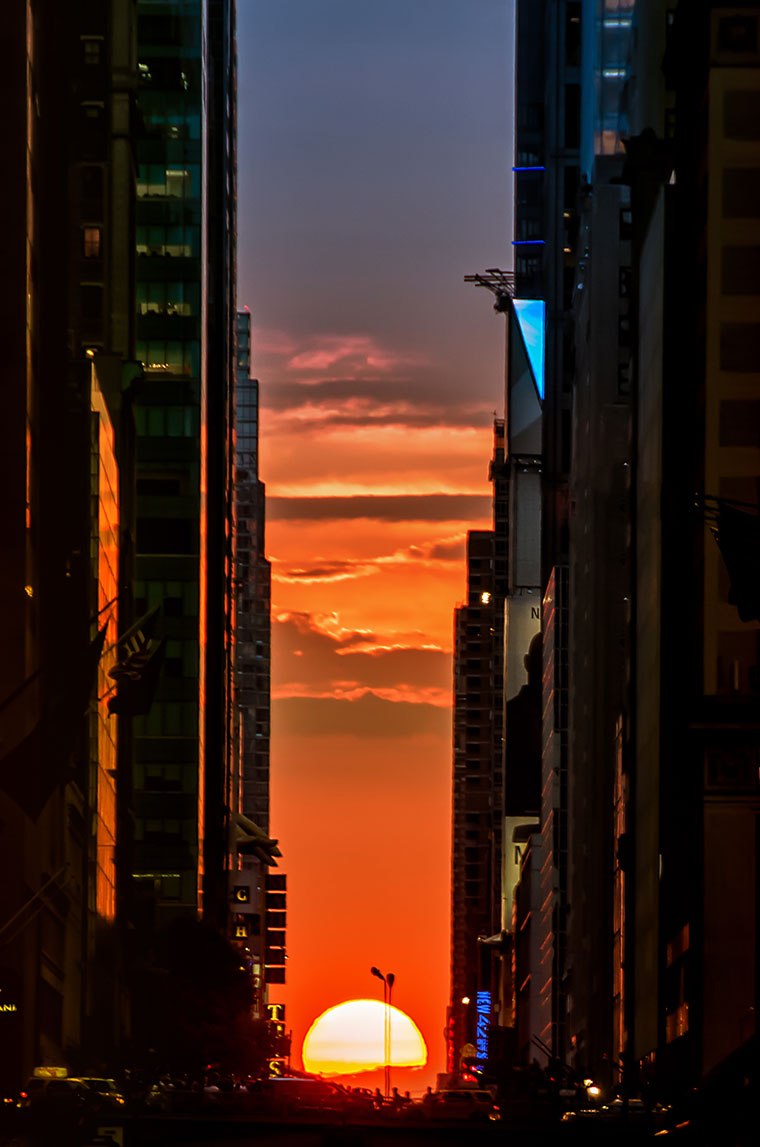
(388, 982)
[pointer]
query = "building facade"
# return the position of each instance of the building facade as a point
(634, 220)
(67, 278)
(478, 786)
(114, 453)
(185, 235)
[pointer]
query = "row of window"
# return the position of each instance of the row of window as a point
(168, 421)
(171, 356)
(169, 719)
(177, 598)
(165, 779)
(157, 180)
(175, 298)
(166, 831)
(176, 241)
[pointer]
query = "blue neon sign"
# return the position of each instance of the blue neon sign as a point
(482, 1022)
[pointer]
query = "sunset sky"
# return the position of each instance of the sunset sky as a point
(374, 173)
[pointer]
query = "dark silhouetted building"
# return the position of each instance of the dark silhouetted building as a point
(478, 785)
(253, 669)
(68, 327)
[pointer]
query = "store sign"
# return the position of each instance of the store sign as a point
(482, 1023)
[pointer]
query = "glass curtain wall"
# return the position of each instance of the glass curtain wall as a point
(170, 321)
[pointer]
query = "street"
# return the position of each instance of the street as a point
(192, 1131)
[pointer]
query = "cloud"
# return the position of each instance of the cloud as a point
(344, 402)
(326, 571)
(353, 691)
(369, 716)
(451, 550)
(383, 507)
(354, 352)
(314, 656)
(341, 570)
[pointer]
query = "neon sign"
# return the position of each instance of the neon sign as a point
(482, 1021)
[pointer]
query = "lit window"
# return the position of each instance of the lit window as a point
(91, 237)
(91, 49)
(485, 597)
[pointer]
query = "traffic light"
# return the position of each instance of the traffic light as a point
(274, 927)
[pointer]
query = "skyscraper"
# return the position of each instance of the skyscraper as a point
(253, 666)
(67, 277)
(185, 300)
(478, 787)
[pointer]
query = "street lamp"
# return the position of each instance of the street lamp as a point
(388, 982)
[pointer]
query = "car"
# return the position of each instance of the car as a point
(291, 1095)
(463, 1103)
(158, 1097)
(109, 1097)
(56, 1095)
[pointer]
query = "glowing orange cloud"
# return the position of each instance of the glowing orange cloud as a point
(354, 691)
(360, 351)
(350, 1038)
(374, 460)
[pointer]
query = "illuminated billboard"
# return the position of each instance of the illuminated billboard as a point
(531, 319)
(482, 1021)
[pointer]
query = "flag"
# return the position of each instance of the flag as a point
(250, 840)
(136, 673)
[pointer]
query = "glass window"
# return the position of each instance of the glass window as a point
(741, 193)
(741, 114)
(737, 34)
(92, 187)
(171, 887)
(740, 422)
(91, 49)
(91, 240)
(741, 271)
(92, 302)
(740, 347)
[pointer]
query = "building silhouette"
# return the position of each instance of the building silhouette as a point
(118, 718)
(633, 891)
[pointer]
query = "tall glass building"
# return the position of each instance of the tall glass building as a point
(171, 299)
(185, 236)
(171, 309)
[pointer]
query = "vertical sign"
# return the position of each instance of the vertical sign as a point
(482, 1022)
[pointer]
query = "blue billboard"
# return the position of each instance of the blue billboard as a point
(531, 317)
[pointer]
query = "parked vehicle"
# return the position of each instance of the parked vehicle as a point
(108, 1096)
(290, 1095)
(471, 1105)
(56, 1096)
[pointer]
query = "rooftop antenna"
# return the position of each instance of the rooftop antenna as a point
(500, 283)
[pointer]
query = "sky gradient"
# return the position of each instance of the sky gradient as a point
(374, 157)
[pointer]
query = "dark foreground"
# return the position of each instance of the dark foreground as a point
(208, 1131)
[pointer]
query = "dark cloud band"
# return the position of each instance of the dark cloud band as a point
(369, 716)
(383, 507)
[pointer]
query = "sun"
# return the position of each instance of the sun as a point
(349, 1038)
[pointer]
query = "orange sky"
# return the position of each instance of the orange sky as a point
(368, 189)
(361, 723)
